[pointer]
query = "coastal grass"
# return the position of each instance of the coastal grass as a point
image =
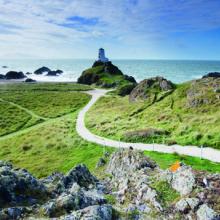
(54, 146)
(43, 86)
(48, 104)
(114, 116)
(12, 118)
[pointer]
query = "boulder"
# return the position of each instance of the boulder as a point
(187, 204)
(42, 70)
(212, 74)
(54, 73)
(182, 180)
(27, 73)
(15, 75)
(4, 67)
(98, 212)
(152, 89)
(206, 213)
(18, 186)
(29, 80)
(125, 161)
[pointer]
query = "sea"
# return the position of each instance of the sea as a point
(175, 70)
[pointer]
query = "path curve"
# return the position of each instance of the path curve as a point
(206, 153)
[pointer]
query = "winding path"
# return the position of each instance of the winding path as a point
(206, 153)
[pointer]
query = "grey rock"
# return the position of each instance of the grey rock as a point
(14, 75)
(205, 213)
(42, 70)
(97, 212)
(183, 180)
(187, 204)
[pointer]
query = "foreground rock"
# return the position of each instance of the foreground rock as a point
(14, 75)
(152, 89)
(132, 187)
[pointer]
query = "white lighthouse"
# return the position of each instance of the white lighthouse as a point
(102, 57)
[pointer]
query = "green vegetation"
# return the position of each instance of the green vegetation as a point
(11, 118)
(44, 86)
(52, 144)
(40, 120)
(48, 104)
(166, 195)
(176, 115)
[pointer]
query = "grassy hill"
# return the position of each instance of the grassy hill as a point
(188, 116)
(38, 132)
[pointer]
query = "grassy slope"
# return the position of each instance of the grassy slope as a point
(51, 146)
(55, 145)
(113, 116)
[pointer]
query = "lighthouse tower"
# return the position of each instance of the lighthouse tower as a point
(102, 57)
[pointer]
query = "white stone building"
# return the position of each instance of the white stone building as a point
(102, 57)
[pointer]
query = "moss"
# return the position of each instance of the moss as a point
(166, 195)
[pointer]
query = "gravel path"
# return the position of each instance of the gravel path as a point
(206, 153)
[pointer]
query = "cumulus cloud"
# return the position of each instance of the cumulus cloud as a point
(42, 27)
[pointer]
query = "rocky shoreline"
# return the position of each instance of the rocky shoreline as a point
(132, 186)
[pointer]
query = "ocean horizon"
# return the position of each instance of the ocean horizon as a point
(177, 71)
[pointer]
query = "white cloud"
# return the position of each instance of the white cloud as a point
(40, 25)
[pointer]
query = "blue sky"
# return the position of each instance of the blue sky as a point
(129, 29)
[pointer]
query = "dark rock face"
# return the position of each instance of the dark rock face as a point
(88, 78)
(15, 75)
(42, 70)
(152, 89)
(2, 76)
(29, 80)
(54, 73)
(212, 74)
(130, 78)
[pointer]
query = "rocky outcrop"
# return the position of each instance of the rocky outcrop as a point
(54, 73)
(78, 193)
(212, 74)
(183, 180)
(105, 75)
(14, 75)
(42, 70)
(152, 89)
(132, 186)
(203, 92)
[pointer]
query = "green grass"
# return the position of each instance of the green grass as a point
(113, 116)
(11, 118)
(54, 146)
(49, 104)
(44, 86)
(165, 194)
